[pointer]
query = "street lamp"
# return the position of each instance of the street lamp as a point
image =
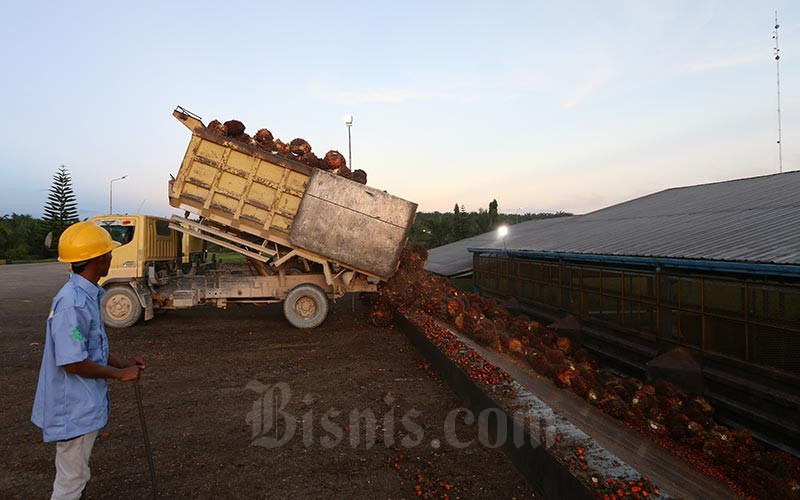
(348, 120)
(502, 232)
(111, 193)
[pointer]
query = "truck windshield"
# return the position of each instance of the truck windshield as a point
(121, 234)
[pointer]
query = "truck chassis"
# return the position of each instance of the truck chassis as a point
(304, 282)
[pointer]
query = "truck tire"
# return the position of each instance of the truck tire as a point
(306, 306)
(121, 307)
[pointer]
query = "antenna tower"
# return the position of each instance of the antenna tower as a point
(778, 74)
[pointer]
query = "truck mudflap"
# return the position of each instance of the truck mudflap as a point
(145, 298)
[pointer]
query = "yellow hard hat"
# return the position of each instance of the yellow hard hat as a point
(83, 241)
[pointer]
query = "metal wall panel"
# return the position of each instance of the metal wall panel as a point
(752, 321)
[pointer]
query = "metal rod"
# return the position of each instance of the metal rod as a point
(778, 81)
(111, 193)
(349, 149)
(138, 389)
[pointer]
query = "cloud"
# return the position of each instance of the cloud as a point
(399, 95)
(578, 94)
(385, 95)
(327, 91)
(459, 87)
(740, 59)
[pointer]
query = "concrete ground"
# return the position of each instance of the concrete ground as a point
(212, 407)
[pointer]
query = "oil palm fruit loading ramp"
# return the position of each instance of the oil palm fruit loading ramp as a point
(564, 447)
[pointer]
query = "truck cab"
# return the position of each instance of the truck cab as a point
(148, 249)
(146, 241)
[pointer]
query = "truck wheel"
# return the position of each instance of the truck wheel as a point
(121, 307)
(306, 306)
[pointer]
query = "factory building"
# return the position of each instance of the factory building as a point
(703, 280)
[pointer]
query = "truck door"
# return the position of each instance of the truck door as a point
(125, 259)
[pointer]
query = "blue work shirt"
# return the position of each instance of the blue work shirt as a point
(68, 405)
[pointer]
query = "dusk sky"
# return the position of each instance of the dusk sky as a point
(542, 105)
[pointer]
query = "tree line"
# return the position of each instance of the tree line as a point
(22, 236)
(433, 229)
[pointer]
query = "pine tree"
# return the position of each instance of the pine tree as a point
(61, 209)
(493, 216)
(459, 223)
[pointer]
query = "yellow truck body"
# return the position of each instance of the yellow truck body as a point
(260, 194)
(219, 181)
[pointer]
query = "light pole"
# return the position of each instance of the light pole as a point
(348, 120)
(502, 231)
(111, 194)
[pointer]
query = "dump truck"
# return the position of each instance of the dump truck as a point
(307, 236)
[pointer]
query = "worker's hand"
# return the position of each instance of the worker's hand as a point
(137, 361)
(129, 374)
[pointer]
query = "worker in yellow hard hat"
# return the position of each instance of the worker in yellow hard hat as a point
(71, 403)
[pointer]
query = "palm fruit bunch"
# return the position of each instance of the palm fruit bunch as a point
(297, 149)
(614, 405)
(234, 129)
(642, 401)
(382, 316)
(359, 176)
(333, 160)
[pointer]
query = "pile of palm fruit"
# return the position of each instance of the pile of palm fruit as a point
(296, 149)
(679, 421)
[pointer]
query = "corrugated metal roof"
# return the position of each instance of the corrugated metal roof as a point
(756, 219)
